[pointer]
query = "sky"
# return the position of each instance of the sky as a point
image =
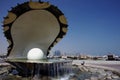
(93, 26)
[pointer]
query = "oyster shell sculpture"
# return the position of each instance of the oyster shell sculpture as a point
(33, 25)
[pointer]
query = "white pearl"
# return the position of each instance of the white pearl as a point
(35, 54)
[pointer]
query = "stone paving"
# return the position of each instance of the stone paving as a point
(99, 72)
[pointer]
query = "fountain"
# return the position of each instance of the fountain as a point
(32, 29)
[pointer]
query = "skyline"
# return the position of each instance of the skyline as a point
(93, 25)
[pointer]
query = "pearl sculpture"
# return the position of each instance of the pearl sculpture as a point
(35, 54)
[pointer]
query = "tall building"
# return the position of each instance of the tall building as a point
(57, 53)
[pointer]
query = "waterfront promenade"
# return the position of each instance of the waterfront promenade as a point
(109, 65)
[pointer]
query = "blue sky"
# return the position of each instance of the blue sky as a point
(94, 25)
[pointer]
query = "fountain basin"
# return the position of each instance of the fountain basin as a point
(46, 67)
(47, 61)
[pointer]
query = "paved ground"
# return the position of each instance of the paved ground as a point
(110, 65)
